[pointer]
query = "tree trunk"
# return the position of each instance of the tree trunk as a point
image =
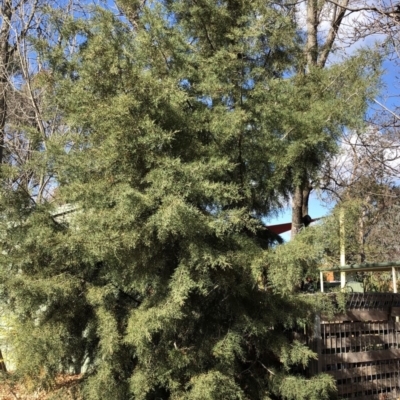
(2, 363)
(300, 205)
(302, 192)
(312, 32)
(6, 12)
(316, 55)
(361, 227)
(306, 197)
(362, 239)
(297, 211)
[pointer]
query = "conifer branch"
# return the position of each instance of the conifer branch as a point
(267, 369)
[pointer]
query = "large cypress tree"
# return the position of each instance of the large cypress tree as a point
(163, 282)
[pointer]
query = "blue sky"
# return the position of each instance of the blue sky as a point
(316, 209)
(390, 96)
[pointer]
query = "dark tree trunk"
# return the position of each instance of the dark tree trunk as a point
(306, 196)
(6, 12)
(2, 363)
(300, 200)
(297, 211)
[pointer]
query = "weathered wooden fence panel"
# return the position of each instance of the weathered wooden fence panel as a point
(361, 347)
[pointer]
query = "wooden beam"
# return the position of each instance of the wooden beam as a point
(387, 266)
(394, 277)
(321, 279)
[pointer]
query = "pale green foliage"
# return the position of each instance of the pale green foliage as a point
(214, 386)
(289, 264)
(297, 353)
(313, 389)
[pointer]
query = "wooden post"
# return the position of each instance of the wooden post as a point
(342, 279)
(321, 279)
(394, 277)
(317, 341)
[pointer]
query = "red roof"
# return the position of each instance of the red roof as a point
(280, 228)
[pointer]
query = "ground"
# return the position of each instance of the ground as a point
(66, 388)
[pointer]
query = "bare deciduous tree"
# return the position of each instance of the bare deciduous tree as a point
(28, 122)
(331, 28)
(365, 171)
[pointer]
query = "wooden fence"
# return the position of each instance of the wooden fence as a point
(361, 347)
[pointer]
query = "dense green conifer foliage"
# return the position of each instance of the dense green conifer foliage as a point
(182, 132)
